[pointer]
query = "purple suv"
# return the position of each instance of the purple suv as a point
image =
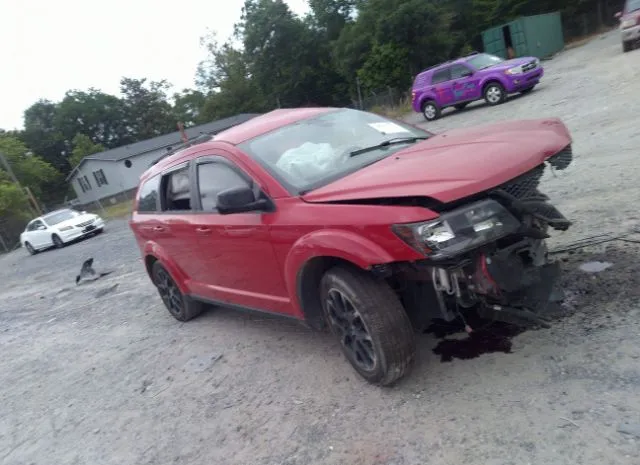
(459, 82)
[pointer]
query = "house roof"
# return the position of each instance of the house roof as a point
(145, 146)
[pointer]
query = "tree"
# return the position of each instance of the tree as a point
(42, 135)
(147, 113)
(100, 116)
(187, 106)
(83, 146)
(31, 170)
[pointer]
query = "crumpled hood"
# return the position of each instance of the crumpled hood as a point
(454, 164)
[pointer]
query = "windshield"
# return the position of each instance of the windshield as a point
(313, 152)
(60, 216)
(484, 60)
(633, 5)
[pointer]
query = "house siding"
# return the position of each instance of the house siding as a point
(119, 177)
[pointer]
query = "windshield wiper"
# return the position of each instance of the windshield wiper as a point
(387, 143)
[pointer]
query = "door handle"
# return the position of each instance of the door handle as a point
(203, 230)
(158, 228)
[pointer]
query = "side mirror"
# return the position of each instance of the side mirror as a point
(239, 200)
(618, 15)
(83, 212)
(42, 227)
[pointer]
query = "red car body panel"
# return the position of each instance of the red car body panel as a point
(254, 260)
(453, 165)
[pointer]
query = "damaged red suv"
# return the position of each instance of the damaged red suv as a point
(346, 219)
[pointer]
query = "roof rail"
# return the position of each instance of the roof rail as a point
(475, 52)
(195, 141)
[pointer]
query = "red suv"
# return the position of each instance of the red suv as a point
(346, 219)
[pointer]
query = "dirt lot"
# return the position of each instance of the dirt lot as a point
(115, 380)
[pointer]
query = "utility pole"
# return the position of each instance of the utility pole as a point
(33, 203)
(359, 93)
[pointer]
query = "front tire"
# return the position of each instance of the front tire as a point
(180, 306)
(430, 110)
(57, 242)
(494, 94)
(373, 328)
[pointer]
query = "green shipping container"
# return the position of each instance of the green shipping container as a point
(539, 36)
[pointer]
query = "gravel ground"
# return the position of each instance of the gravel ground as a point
(115, 380)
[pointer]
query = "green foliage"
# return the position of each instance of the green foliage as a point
(82, 147)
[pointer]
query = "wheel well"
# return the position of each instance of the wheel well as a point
(308, 287)
(491, 81)
(149, 260)
(425, 101)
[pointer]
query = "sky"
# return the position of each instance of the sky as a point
(49, 47)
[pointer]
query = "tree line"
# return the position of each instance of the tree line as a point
(274, 59)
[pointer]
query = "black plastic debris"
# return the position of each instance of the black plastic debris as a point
(87, 273)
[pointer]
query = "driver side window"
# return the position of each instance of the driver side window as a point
(214, 178)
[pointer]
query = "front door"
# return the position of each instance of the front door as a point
(238, 263)
(174, 230)
(465, 83)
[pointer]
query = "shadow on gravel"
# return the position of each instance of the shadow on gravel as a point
(592, 298)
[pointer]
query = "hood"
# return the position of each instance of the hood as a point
(454, 164)
(76, 221)
(513, 62)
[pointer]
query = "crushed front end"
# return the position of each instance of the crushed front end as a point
(487, 253)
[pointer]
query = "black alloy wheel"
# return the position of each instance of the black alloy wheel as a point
(367, 318)
(180, 307)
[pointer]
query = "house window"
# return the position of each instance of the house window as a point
(100, 178)
(84, 184)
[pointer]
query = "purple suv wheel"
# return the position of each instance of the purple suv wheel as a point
(430, 110)
(494, 93)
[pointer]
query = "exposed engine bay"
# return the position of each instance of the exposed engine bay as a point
(487, 253)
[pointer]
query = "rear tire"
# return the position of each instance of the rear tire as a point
(430, 110)
(494, 93)
(373, 328)
(30, 248)
(181, 307)
(57, 242)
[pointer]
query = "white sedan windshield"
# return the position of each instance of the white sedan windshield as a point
(58, 217)
(316, 151)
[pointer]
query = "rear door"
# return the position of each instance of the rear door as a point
(465, 83)
(237, 260)
(442, 86)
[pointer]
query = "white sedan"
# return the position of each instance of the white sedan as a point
(58, 228)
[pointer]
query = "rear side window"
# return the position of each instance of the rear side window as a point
(441, 75)
(214, 178)
(459, 71)
(148, 197)
(176, 191)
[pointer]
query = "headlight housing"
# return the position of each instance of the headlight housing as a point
(66, 228)
(460, 230)
(514, 71)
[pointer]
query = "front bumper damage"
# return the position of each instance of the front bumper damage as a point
(511, 280)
